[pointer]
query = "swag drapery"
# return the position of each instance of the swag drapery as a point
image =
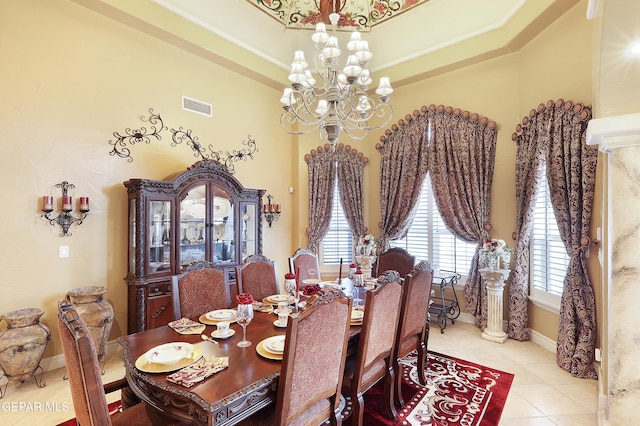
(458, 150)
(554, 135)
(324, 165)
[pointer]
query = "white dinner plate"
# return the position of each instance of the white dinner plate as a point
(169, 353)
(274, 344)
(221, 314)
(357, 315)
(277, 298)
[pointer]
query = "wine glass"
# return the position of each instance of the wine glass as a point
(244, 315)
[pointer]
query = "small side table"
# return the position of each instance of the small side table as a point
(495, 286)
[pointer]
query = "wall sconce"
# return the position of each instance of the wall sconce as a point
(271, 211)
(65, 218)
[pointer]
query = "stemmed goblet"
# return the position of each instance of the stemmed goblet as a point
(244, 315)
(290, 288)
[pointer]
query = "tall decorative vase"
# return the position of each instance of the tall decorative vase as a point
(366, 264)
(493, 261)
(506, 260)
(97, 314)
(22, 346)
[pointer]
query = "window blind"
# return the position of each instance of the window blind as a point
(337, 242)
(549, 259)
(429, 239)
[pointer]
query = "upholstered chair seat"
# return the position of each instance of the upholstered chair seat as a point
(395, 259)
(413, 326)
(85, 379)
(313, 364)
(258, 276)
(201, 288)
(305, 261)
(373, 359)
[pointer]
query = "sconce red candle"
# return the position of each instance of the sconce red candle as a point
(84, 204)
(264, 208)
(67, 203)
(277, 208)
(47, 203)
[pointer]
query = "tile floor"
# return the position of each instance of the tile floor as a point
(541, 393)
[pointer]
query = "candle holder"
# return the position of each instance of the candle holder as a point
(270, 211)
(65, 218)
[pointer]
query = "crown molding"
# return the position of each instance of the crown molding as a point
(618, 131)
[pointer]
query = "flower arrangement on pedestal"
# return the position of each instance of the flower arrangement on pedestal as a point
(366, 246)
(492, 251)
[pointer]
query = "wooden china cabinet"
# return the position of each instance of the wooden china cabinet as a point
(203, 213)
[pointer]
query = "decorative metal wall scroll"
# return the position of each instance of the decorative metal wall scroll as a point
(178, 137)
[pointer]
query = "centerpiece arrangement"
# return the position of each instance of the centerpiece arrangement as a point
(493, 251)
(366, 250)
(366, 246)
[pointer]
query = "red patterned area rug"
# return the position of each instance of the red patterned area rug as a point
(458, 392)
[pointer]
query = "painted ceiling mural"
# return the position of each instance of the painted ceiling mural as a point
(359, 15)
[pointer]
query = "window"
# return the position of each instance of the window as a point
(336, 244)
(429, 239)
(548, 257)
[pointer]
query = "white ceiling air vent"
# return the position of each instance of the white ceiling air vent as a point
(196, 106)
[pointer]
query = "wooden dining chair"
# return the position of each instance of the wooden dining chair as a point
(312, 365)
(201, 288)
(258, 276)
(413, 325)
(373, 360)
(307, 261)
(395, 259)
(85, 379)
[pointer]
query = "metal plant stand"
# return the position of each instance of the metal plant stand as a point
(444, 301)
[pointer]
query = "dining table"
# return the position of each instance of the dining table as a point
(247, 385)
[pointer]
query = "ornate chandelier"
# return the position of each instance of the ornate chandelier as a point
(340, 101)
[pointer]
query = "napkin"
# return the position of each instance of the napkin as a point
(198, 371)
(187, 326)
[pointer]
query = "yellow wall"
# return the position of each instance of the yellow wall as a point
(70, 78)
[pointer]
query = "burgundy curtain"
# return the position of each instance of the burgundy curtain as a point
(559, 129)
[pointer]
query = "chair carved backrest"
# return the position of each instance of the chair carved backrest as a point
(201, 288)
(377, 342)
(413, 325)
(257, 275)
(309, 385)
(395, 259)
(307, 261)
(83, 369)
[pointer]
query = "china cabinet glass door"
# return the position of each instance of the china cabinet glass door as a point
(249, 229)
(224, 232)
(159, 234)
(193, 235)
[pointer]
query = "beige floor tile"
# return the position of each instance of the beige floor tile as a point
(576, 420)
(531, 421)
(549, 400)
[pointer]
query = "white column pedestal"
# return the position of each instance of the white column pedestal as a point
(495, 286)
(366, 264)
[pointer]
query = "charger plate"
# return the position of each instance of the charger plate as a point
(203, 319)
(263, 352)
